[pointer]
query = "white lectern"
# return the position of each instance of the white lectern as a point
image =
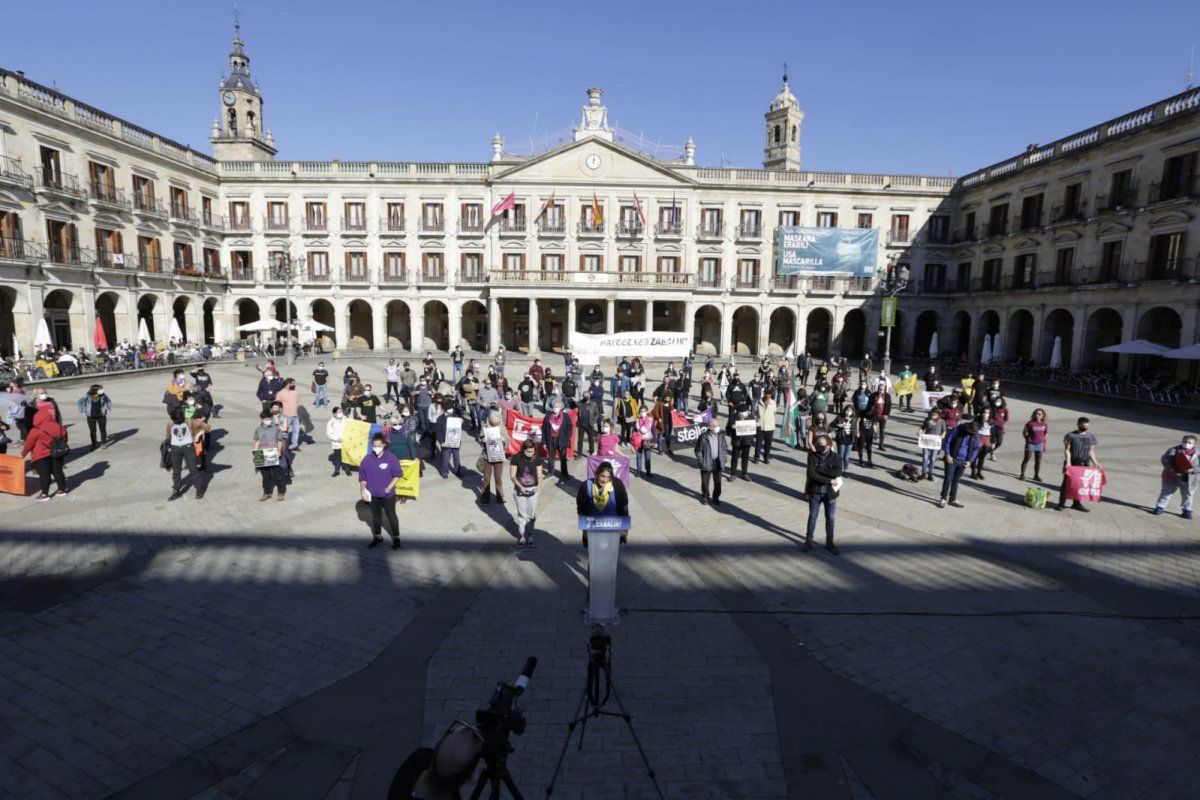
(604, 550)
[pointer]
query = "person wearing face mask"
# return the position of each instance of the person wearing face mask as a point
(378, 473)
(1079, 450)
(983, 426)
(526, 390)
(589, 416)
(334, 430)
(448, 434)
(320, 385)
(182, 450)
(1181, 473)
(820, 425)
(664, 426)
(557, 429)
(607, 443)
(525, 472)
(822, 485)
(845, 433)
(95, 406)
(489, 401)
(266, 436)
(401, 436)
(509, 403)
(960, 448)
(999, 410)
(289, 402)
(712, 454)
(741, 442)
(495, 443)
(627, 415)
(368, 405)
(643, 437)
(932, 426)
(951, 412)
(268, 386)
(47, 446)
(1034, 434)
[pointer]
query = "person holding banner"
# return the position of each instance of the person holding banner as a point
(906, 387)
(333, 432)
(449, 432)
(378, 474)
(1181, 473)
(556, 437)
(933, 432)
(822, 485)
(495, 443)
(744, 431)
(1079, 450)
(269, 440)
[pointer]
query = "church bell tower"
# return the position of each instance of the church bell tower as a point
(783, 130)
(238, 132)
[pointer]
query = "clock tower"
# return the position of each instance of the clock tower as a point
(238, 133)
(783, 130)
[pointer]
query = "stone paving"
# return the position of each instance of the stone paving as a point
(137, 632)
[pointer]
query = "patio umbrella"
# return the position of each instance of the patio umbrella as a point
(176, 331)
(996, 351)
(933, 345)
(262, 325)
(1056, 353)
(1137, 347)
(312, 325)
(218, 329)
(986, 355)
(16, 347)
(1189, 353)
(99, 338)
(42, 337)
(143, 330)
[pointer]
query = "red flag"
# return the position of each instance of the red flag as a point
(521, 427)
(99, 338)
(597, 213)
(548, 203)
(638, 205)
(505, 204)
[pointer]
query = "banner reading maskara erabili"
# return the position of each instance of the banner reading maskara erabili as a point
(826, 251)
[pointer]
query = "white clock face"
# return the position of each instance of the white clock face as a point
(593, 161)
(229, 98)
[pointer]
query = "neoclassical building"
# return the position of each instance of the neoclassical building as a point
(593, 230)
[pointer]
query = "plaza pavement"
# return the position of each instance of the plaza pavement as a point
(229, 648)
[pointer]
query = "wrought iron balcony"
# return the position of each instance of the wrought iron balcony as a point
(212, 222)
(315, 225)
(241, 274)
(552, 227)
(997, 227)
(61, 183)
(13, 174)
(710, 230)
(107, 260)
(148, 206)
(277, 224)
(188, 270)
(433, 226)
(240, 224)
(1124, 200)
(1030, 222)
(900, 236)
(316, 276)
(392, 225)
(513, 227)
(1069, 212)
(12, 249)
(472, 277)
(749, 230)
(710, 280)
(668, 230)
(630, 229)
(821, 284)
(1019, 281)
(352, 225)
(1059, 278)
(591, 229)
(69, 256)
(751, 281)
(155, 265)
(393, 277)
(181, 215)
(935, 236)
(351, 276)
(1185, 189)
(430, 278)
(964, 234)
(108, 195)
(1104, 274)
(1163, 270)
(858, 284)
(655, 278)
(470, 227)
(785, 283)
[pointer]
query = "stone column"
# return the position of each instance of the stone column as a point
(726, 343)
(1078, 336)
(610, 325)
(1035, 347)
(89, 319)
(571, 322)
(341, 324)
(764, 331)
(649, 315)
(455, 316)
(493, 324)
(379, 335)
(533, 326)
(800, 337)
(416, 319)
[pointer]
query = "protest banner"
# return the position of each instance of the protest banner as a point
(620, 465)
(906, 385)
(265, 457)
(929, 399)
(521, 427)
(589, 348)
(409, 484)
(929, 441)
(493, 445)
(453, 432)
(356, 440)
(12, 474)
(745, 427)
(1085, 484)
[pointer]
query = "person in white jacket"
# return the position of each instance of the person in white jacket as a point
(333, 431)
(765, 414)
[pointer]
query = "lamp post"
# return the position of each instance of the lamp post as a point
(285, 269)
(892, 285)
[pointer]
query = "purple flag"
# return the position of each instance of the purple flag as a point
(620, 465)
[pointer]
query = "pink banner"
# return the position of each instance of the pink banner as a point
(620, 465)
(1085, 484)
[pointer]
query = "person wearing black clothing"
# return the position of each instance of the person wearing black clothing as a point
(368, 405)
(202, 381)
(865, 438)
(959, 449)
(527, 389)
(740, 448)
(880, 408)
(1079, 450)
(320, 386)
(757, 385)
(590, 415)
(95, 406)
(556, 438)
(268, 387)
(736, 394)
(821, 487)
(932, 379)
(804, 365)
(569, 390)
(663, 389)
(682, 387)
(712, 451)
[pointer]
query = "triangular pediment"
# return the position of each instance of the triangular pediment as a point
(591, 161)
(1114, 229)
(56, 210)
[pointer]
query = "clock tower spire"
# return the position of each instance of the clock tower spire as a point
(784, 119)
(238, 131)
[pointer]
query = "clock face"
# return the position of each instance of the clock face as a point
(229, 98)
(593, 161)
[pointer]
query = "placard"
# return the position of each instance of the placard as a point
(1085, 484)
(745, 427)
(453, 433)
(12, 474)
(493, 445)
(930, 398)
(929, 441)
(409, 484)
(266, 457)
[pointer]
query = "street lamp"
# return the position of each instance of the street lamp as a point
(895, 282)
(285, 269)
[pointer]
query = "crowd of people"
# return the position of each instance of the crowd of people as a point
(836, 411)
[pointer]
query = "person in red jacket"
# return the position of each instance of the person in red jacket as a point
(39, 448)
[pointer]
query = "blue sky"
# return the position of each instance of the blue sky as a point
(926, 87)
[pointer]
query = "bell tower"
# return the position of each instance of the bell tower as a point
(238, 133)
(783, 130)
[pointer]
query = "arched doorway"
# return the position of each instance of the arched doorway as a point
(108, 305)
(1160, 325)
(361, 329)
(1059, 324)
(854, 334)
(398, 324)
(669, 315)
(474, 333)
(959, 343)
(145, 313)
(989, 325)
(277, 311)
(927, 322)
(322, 311)
(820, 327)
(247, 312)
(437, 326)
(1103, 329)
(782, 331)
(208, 320)
(179, 314)
(58, 308)
(591, 318)
(1018, 341)
(706, 331)
(745, 331)
(8, 320)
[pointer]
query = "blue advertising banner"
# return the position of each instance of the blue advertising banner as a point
(825, 251)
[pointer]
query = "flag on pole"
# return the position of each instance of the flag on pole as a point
(548, 203)
(597, 213)
(505, 204)
(789, 417)
(674, 210)
(638, 205)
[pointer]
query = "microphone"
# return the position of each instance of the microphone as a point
(522, 681)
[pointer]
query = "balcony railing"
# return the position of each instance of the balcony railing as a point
(431, 225)
(521, 276)
(785, 283)
(1104, 274)
(825, 284)
(749, 230)
(61, 183)
(1059, 278)
(472, 276)
(709, 280)
(69, 256)
(241, 274)
(668, 230)
(630, 229)
(1116, 201)
(987, 284)
(900, 236)
(240, 224)
(432, 278)
(392, 224)
(655, 278)
(107, 260)
(13, 174)
(997, 227)
(351, 276)
(751, 281)
(149, 206)
(354, 225)
(1019, 281)
(553, 227)
(1031, 222)
(1187, 189)
(316, 276)
(936, 236)
(184, 216)
(277, 224)
(109, 195)
(155, 265)
(1165, 270)
(1069, 212)
(513, 227)
(188, 270)
(710, 230)
(858, 284)
(591, 229)
(964, 234)
(315, 225)
(943, 286)
(395, 277)
(20, 250)
(470, 227)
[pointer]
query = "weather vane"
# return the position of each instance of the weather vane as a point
(785, 72)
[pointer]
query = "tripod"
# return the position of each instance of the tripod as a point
(600, 670)
(496, 774)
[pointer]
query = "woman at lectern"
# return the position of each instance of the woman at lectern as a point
(602, 496)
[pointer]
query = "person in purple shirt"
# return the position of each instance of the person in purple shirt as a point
(378, 474)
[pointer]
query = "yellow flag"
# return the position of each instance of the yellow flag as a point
(968, 387)
(906, 385)
(409, 485)
(356, 438)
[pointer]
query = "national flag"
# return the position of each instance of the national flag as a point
(597, 213)
(638, 205)
(548, 203)
(674, 210)
(790, 407)
(505, 204)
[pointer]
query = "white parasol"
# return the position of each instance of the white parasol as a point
(176, 331)
(1056, 353)
(42, 337)
(933, 346)
(1189, 353)
(262, 325)
(1137, 347)
(143, 330)
(986, 355)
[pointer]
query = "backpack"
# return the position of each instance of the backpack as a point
(909, 472)
(1036, 498)
(59, 447)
